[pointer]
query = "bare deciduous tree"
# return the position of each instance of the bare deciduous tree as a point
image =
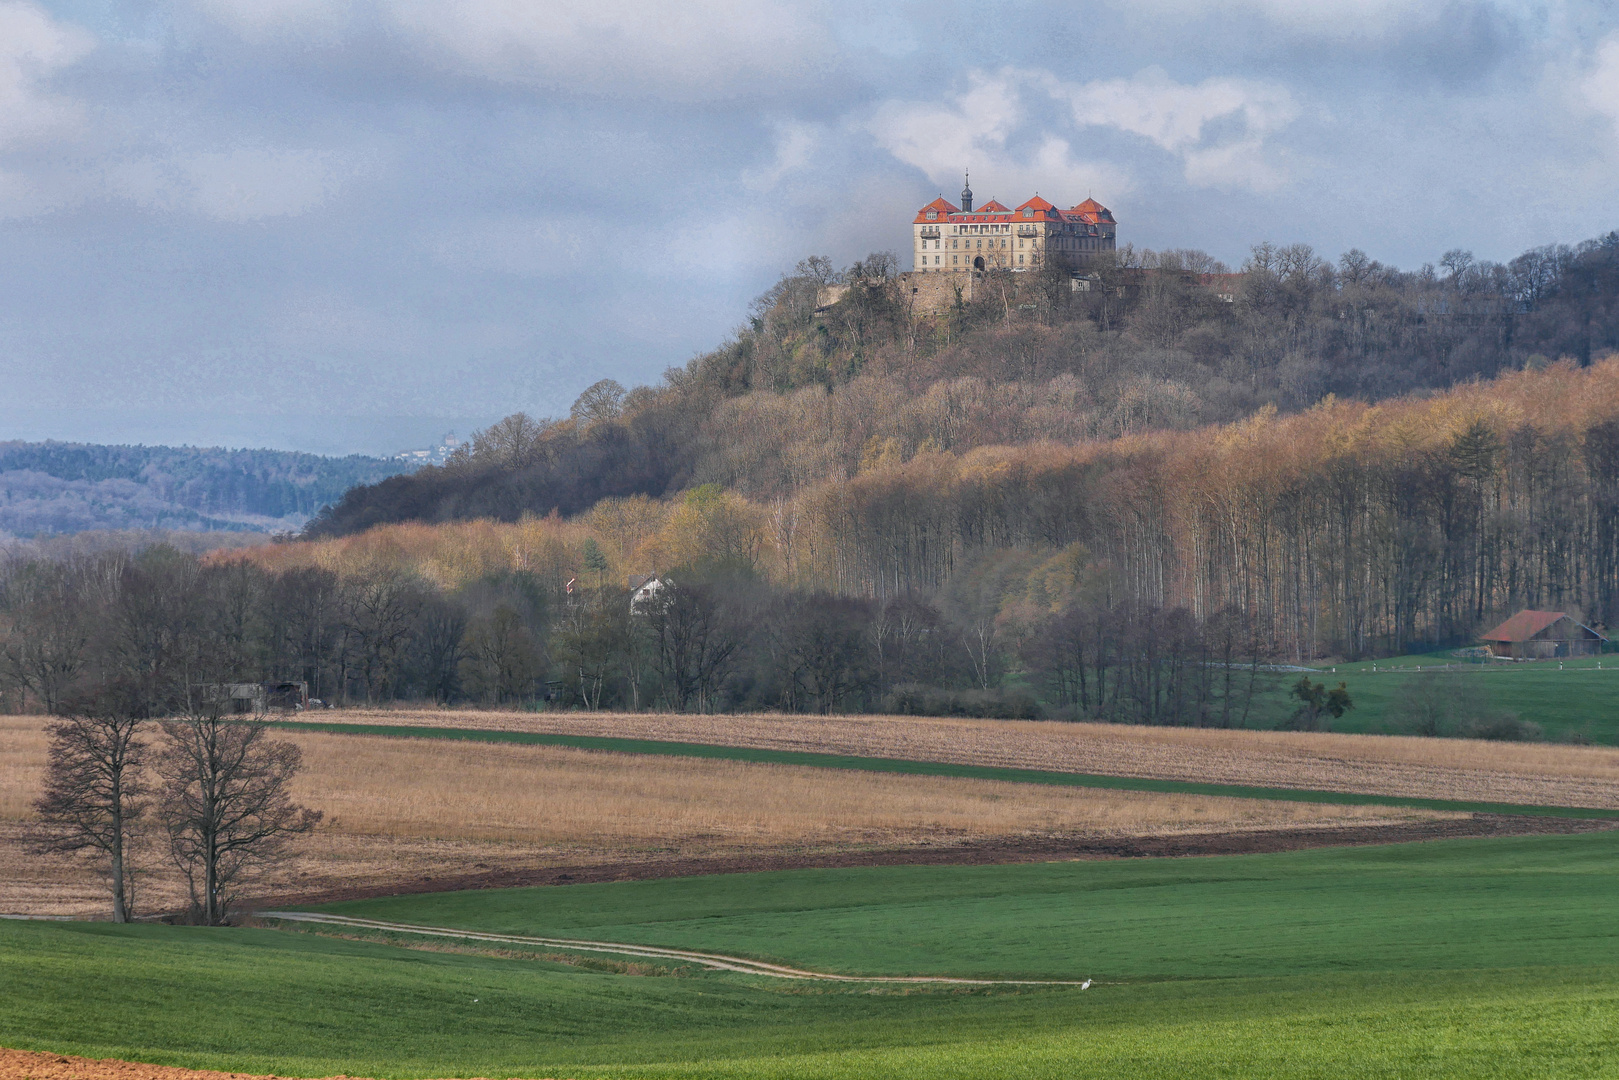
(502, 658)
(697, 643)
(94, 795)
(601, 400)
(226, 805)
(47, 642)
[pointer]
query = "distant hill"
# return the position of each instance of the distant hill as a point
(54, 488)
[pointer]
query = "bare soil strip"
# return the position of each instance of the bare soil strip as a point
(712, 960)
(1463, 770)
(27, 1065)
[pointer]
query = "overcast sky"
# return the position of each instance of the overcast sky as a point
(348, 225)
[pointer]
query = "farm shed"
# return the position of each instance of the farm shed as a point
(1542, 635)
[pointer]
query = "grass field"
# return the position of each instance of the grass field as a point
(1569, 699)
(1461, 958)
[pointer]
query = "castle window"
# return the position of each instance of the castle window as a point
(933, 215)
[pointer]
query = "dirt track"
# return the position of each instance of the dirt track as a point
(26, 1065)
(987, 853)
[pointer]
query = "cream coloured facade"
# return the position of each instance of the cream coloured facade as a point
(958, 239)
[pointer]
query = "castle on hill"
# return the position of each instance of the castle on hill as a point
(954, 240)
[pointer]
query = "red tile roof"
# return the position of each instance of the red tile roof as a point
(1526, 624)
(940, 207)
(1093, 212)
(1089, 212)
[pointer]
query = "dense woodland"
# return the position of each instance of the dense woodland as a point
(801, 396)
(54, 488)
(1124, 502)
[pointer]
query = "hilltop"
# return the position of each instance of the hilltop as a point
(809, 391)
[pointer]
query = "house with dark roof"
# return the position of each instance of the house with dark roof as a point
(1543, 635)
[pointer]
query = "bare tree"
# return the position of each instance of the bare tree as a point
(697, 643)
(225, 804)
(46, 643)
(379, 613)
(503, 661)
(602, 400)
(94, 794)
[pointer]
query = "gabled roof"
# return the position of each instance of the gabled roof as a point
(992, 207)
(1092, 211)
(1038, 205)
(940, 206)
(1526, 624)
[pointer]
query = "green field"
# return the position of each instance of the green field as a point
(1575, 701)
(1488, 958)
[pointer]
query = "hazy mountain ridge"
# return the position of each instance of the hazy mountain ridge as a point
(55, 487)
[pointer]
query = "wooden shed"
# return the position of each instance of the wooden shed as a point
(1543, 635)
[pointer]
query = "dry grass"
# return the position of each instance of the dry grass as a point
(549, 795)
(22, 764)
(402, 808)
(1373, 764)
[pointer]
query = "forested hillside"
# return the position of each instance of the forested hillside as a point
(1156, 341)
(54, 488)
(1119, 503)
(1345, 530)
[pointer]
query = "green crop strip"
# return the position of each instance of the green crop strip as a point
(936, 768)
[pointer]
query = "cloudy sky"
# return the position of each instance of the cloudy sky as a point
(348, 225)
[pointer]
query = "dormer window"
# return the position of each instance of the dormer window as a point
(1028, 211)
(933, 215)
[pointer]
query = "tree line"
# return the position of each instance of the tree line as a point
(713, 635)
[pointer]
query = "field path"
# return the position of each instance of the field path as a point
(715, 961)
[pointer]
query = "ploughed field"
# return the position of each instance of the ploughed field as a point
(1460, 958)
(405, 814)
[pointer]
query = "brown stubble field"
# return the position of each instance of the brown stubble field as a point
(404, 812)
(1462, 769)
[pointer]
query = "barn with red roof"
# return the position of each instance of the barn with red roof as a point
(1543, 635)
(951, 239)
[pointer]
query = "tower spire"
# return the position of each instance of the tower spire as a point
(966, 192)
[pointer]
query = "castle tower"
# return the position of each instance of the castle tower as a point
(966, 195)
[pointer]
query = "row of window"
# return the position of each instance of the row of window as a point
(994, 242)
(955, 260)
